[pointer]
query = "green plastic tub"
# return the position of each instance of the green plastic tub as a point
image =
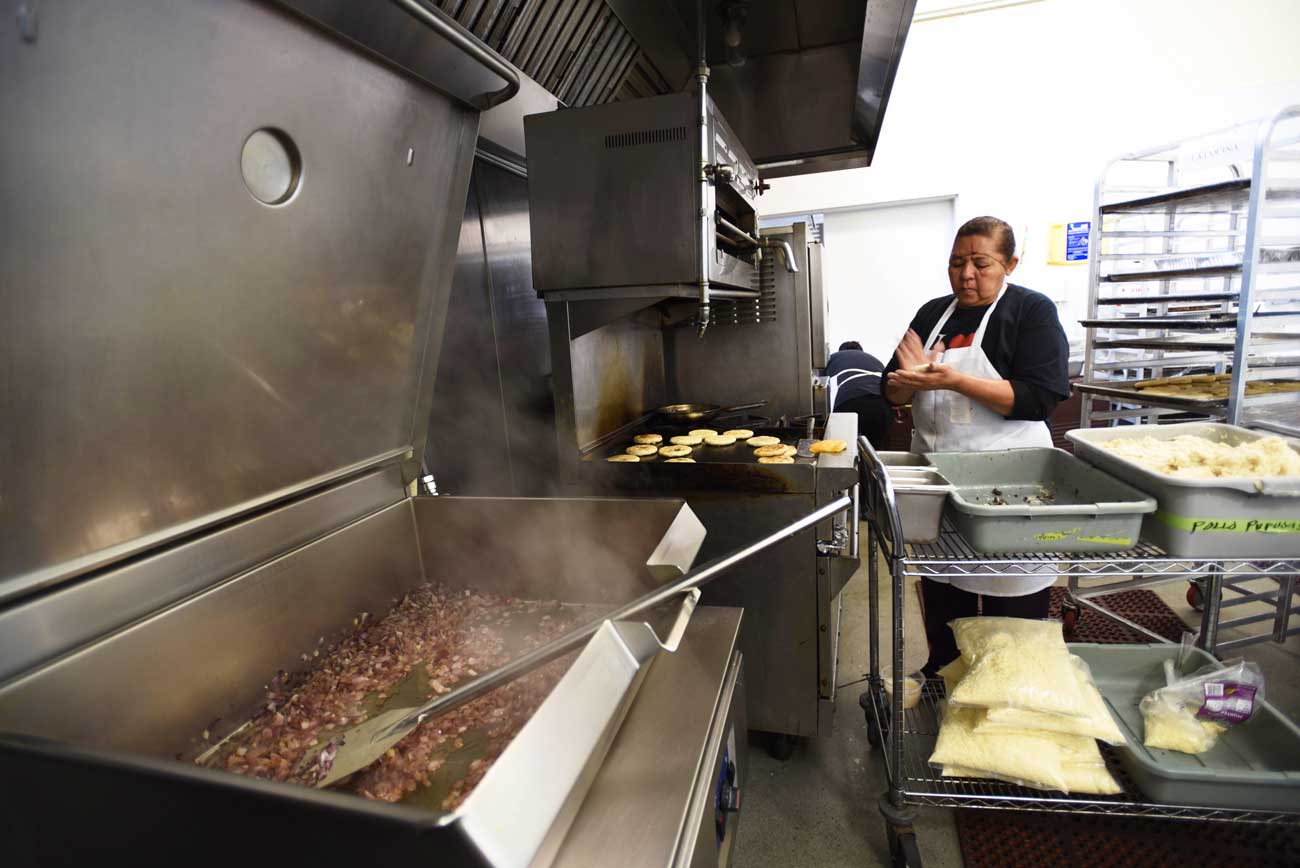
(1255, 766)
(1039, 500)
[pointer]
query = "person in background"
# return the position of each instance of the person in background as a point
(983, 368)
(855, 388)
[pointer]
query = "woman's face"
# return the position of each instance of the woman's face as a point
(976, 270)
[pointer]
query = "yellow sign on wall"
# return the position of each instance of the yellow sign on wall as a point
(1067, 243)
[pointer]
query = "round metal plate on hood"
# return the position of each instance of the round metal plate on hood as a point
(271, 166)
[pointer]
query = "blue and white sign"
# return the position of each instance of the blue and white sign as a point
(1076, 241)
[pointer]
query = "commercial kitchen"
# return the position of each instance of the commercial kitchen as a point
(539, 432)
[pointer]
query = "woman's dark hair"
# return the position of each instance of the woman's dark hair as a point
(850, 345)
(991, 227)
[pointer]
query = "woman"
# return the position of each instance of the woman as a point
(983, 369)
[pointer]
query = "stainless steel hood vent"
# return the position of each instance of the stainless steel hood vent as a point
(579, 50)
(804, 83)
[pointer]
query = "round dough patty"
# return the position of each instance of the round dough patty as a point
(738, 433)
(687, 440)
(720, 440)
(680, 461)
(829, 446)
(769, 451)
(776, 459)
(648, 439)
(790, 450)
(764, 440)
(641, 449)
(623, 457)
(703, 433)
(675, 451)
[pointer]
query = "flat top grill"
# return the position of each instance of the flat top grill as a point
(740, 453)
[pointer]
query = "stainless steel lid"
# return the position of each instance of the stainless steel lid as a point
(226, 259)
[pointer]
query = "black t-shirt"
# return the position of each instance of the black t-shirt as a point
(1024, 342)
(858, 387)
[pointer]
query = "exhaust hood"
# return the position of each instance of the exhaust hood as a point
(804, 83)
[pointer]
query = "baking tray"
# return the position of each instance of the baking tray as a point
(1239, 517)
(1137, 396)
(1089, 511)
(1255, 766)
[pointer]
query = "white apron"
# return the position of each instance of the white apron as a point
(945, 421)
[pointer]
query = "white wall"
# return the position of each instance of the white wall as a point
(1015, 110)
(869, 260)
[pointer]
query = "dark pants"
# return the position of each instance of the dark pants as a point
(943, 603)
(874, 416)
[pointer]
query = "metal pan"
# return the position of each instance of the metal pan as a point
(678, 413)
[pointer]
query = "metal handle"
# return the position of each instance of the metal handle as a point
(738, 407)
(566, 643)
(446, 28)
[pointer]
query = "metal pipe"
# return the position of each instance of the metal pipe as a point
(705, 242)
(790, 264)
(786, 251)
(571, 640)
(856, 517)
(446, 28)
(736, 230)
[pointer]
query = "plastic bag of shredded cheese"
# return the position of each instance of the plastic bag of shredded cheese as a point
(1029, 759)
(975, 636)
(951, 674)
(1097, 723)
(1090, 778)
(1190, 713)
(1032, 678)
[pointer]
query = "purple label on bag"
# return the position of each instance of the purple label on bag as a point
(1228, 702)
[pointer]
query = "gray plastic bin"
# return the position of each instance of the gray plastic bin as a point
(1039, 500)
(1255, 766)
(1204, 518)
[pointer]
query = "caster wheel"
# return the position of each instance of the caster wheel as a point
(1195, 597)
(903, 850)
(1070, 615)
(780, 746)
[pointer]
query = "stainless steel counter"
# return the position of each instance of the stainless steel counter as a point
(667, 755)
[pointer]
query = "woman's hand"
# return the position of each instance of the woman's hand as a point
(938, 376)
(910, 378)
(911, 352)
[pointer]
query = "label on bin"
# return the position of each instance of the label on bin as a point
(1229, 702)
(1229, 525)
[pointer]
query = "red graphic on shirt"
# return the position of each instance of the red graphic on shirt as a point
(956, 342)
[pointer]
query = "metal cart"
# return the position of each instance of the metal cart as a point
(907, 738)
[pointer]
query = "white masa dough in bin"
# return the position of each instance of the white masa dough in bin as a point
(1188, 456)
